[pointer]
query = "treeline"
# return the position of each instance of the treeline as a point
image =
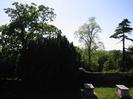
(35, 56)
(107, 61)
(95, 58)
(35, 51)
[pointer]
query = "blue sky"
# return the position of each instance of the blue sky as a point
(71, 14)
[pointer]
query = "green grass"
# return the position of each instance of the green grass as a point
(108, 93)
(131, 91)
(105, 93)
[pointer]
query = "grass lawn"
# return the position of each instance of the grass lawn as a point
(131, 91)
(108, 93)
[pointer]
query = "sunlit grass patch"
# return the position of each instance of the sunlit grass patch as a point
(131, 91)
(109, 93)
(105, 93)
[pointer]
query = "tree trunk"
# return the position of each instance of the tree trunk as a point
(89, 56)
(124, 61)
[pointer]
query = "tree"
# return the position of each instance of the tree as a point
(88, 34)
(53, 60)
(123, 27)
(42, 55)
(28, 22)
(99, 58)
(129, 58)
(114, 60)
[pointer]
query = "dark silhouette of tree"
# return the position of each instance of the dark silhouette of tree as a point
(42, 57)
(121, 31)
(50, 62)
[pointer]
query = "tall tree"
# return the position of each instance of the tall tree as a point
(87, 34)
(121, 31)
(27, 22)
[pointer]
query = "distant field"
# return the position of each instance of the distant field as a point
(108, 93)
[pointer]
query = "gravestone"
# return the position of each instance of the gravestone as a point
(122, 92)
(89, 89)
(88, 92)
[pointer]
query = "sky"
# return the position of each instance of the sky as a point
(71, 14)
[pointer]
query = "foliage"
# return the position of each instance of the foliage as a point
(84, 58)
(99, 58)
(106, 61)
(51, 61)
(113, 61)
(124, 27)
(27, 22)
(129, 58)
(107, 78)
(87, 34)
(39, 54)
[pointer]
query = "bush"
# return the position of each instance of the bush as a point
(51, 63)
(107, 79)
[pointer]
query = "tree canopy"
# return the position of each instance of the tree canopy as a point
(27, 22)
(36, 50)
(88, 35)
(121, 31)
